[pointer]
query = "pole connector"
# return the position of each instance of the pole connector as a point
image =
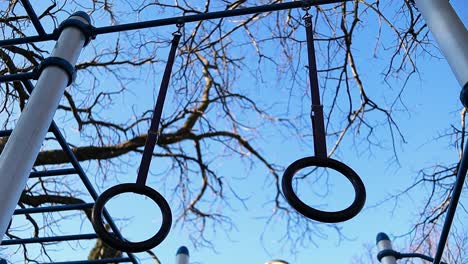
(86, 28)
(58, 62)
(388, 253)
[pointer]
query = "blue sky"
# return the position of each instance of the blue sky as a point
(432, 100)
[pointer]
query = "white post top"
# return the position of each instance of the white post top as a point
(182, 255)
(383, 242)
(277, 261)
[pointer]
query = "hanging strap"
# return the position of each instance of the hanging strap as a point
(318, 126)
(153, 131)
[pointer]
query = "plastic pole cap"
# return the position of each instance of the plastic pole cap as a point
(181, 250)
(277, 261)
(83, 15)
(381, 236)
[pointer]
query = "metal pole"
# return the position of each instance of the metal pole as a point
(34, 19)
(450, 34)
(23, 146)
(182, 255)
(461, 175)
(384, 243)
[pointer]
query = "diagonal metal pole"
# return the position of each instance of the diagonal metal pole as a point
(457, 190)
(34, 19)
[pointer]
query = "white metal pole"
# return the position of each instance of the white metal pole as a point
(182, 255)
(383, 243)
(450, 34)
(23, 146)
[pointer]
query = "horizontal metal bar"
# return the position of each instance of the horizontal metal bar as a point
(17, 77)
(47, 173)
(214, 15)
(94, 261)
(25, 40)
(5, 133)
(48, 239)
(183, 19)
(57, 208)
(32, 15)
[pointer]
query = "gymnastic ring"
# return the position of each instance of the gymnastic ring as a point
(318, 215)
(121, 244)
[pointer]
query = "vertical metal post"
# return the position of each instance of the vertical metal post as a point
(450, 34)
(182, 255)
(384, 243)
(23, 146)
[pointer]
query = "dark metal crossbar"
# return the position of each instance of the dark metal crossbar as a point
(179, 20)
(49, 173)
(35, 240)
(50, 209)
(5, 133)
(17, 77)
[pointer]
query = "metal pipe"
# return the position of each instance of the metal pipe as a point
(48, 239)
(184, 19)
(384, 243)
(34, 19)
(461, 175)
(17, 77)
(50, 209)
(5, 133)
(21, 150)
(25, 40)
(450, 34)
(49, 173)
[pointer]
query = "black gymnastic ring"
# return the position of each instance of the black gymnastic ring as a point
(324, 216)
(115, 241)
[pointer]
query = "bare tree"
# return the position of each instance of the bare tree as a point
(214, 109)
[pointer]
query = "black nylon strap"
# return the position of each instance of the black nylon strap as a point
(86, 29)
(388, 253)
(58, 62)
(152, 137)
(318, 125)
